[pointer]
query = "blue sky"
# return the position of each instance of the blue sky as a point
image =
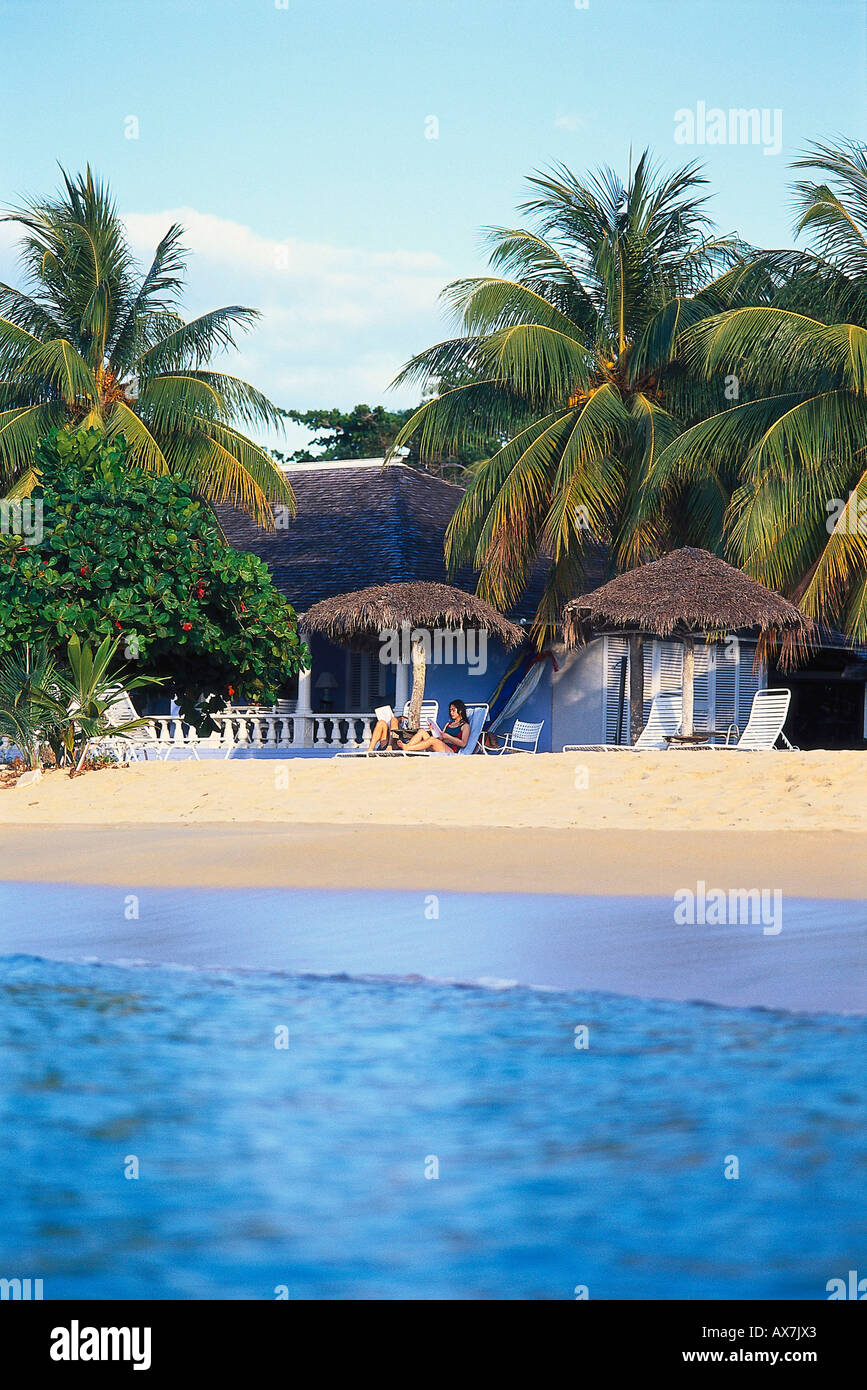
(291, 138)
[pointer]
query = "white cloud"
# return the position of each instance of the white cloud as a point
(337, 322)
(570, 122)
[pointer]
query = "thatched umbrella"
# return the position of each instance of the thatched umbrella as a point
(686, 592)
(408, 610)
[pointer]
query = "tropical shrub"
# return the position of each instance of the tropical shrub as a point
(128, 555)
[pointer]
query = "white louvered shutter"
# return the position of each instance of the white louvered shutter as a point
(726, 686)
(669, 668)
(702, 685)
(616, 648)
(749, 681)
(649, 692)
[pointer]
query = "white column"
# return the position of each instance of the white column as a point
(401, 688)
(304, 705)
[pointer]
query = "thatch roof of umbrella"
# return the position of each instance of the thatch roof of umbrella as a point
(686, 591)
(359, 616)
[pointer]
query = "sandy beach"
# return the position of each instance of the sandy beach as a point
(568, 823)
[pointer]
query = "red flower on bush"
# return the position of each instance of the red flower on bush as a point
(117, 625)
(243, 607)
(83, 571)
(187, 627)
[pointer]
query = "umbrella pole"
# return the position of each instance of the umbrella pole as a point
(418, 677)
(688, 682)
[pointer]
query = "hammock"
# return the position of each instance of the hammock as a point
(517, 686)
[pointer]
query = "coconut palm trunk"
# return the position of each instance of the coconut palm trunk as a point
(688, 682)
(419, 671)
(636, 685)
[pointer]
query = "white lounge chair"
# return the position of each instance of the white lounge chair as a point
(524, 738)
(429, 710)
(765, 724)
(138, 744)
(478, 718)
(666, 716)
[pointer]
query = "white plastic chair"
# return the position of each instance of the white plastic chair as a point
(524, 738)
(765, 724)
(430, 709)
(141, 742)
(666, 716)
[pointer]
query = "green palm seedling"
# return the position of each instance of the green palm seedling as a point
(90, 340)
(568, 356)
(797, 436)
(91, 693)
(31, 714)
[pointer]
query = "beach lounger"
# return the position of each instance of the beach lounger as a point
(666, 715)
(524, 738)
(429, 710)
(765, 724)
(478, 718)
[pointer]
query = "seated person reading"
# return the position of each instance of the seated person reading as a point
(451, 739)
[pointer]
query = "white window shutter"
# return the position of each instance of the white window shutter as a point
(702, 683)
(649, 674)
(669, 668)
(749, 681)
(726, 686)
(616, 648)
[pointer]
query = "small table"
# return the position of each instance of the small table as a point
(691, 739)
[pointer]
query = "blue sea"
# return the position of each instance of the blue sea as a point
(190, 1131)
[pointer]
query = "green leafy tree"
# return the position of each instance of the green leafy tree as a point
(363, 433)
(568, 358)
(126, 554)
(796, 437)
(90, 340)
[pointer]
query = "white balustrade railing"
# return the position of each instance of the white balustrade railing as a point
(247, 729)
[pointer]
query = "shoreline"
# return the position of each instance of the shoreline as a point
(512, 909)
(501, 859)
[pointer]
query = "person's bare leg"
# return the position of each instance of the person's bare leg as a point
(419, 741)
(379, 735)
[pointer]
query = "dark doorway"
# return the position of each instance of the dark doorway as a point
(827, 709)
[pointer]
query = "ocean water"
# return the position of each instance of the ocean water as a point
(413, 1138)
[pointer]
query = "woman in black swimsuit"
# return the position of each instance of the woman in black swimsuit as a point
(454, 735)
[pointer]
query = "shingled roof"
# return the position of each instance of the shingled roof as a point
(356, 526)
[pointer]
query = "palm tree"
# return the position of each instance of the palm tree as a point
(571, 363)
(797, 438)
(89, 340)
(30, 714)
